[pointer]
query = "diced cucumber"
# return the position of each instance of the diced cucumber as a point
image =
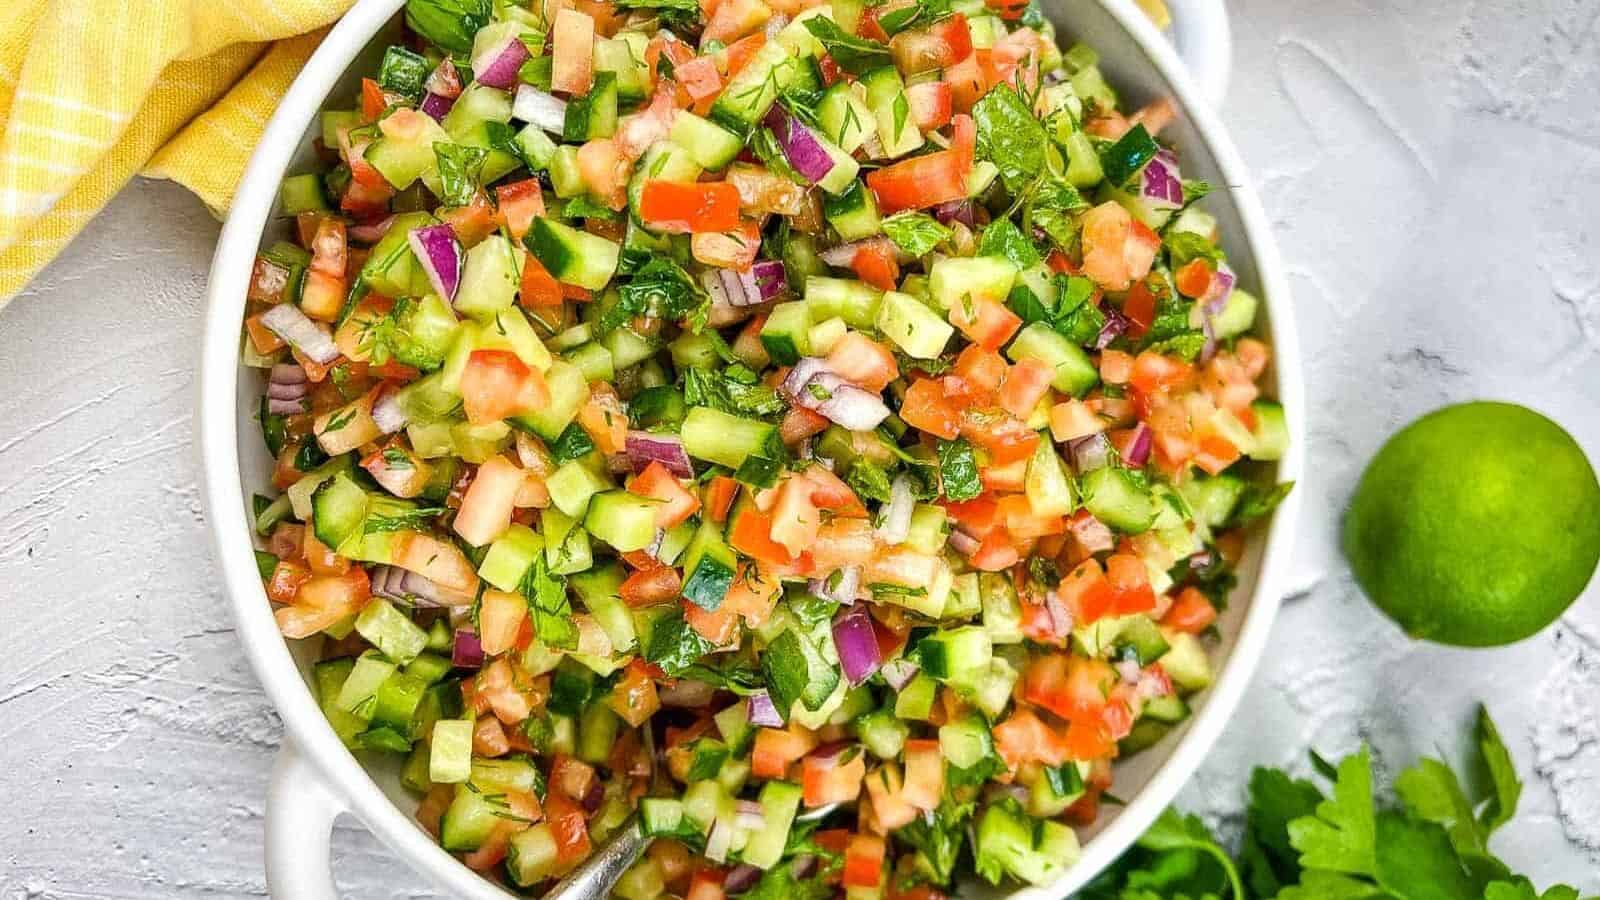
(533, 855)
(478, 103)
(630, 75)
(727, 440)
(856, 302)
(391, 631)
(1075, 372)
(845, 117)
(988, 688)
(661, 816)
(1170, 709)
(842, 175)
(339, 508)
(1139, 640)
(1115, 498)
(573, 256)
(918, 330)
(1271, 434)
(572, 485)
(329, 677)
(622, 519)
(569, 390)
(450, 760)
(928, 532)
(497, 163)
(1083, 161)
(1055, 789)
(710, 145)
(359, 692)
(954, 278)
(853, 212)
(966, 741)
(1186, 662)
(468, 821)
(537, 147)
(566, 546)
(883, 733)
(600, 591)
(786, 334)
(1213, 499)
(592, 115)
(915, 700)
(663, 161)
(510, 556)
(628, 348)
(1238, 315)
(301, 193)
(946, 653)
(391, 268)
(489, 279)
(401, 161)
(710, 565)
(1048, 488)
(886, 96)
(965, 600)
(751, 93)
(779, 802)
(597, 732)
(566, 179)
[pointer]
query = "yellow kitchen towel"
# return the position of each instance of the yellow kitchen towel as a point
(93, 92)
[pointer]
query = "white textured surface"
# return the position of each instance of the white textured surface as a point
(1433, 173)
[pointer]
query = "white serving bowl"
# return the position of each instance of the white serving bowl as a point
(316, 778)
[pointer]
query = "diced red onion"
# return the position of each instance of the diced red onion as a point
(619, 463)
(775, 25)
(276, 391)
(444, 80)
(387, 413)
(1153, 682)
(856, 642)
(436, 105)
(843, 590)
(1092, 535)
(440, 254)
(748, 815)
(288, 373)
(1060, 616)
(1090, 453)
(962, 211)
(497, 64)
(801, 146)
(812, 385)
(467, 651)
(897, 514)
(1116, 324)
(287, 396)
(1221, 288)
(1160, 182)
(761, 711)
(764, 280)
(594, 796)
(1127, 670)
(1139, 448)
(407, 587)
(1209, 329)
(539, 108)
(1200, 560)
(794, 383)
(899, 672)
(297, 330)
(371, 234)
(295, 407)
(963, 543)
(686, 693)
(740, 878)
(717, 289)
(645, 447)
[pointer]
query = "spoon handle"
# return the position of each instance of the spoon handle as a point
(594, 878)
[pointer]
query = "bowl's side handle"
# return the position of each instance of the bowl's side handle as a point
(1204, 42)
(300, 815)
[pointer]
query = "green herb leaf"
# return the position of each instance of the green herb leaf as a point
(548, 603)
(1128, 156)
(869, 480)
(1258, 502)
(958, 470)
(572, 443)
(785, 667)
(1501, 774)
(460, 171)
(916, 233)
(448, 24)
(674, 645)
(403, 72)
(939, 836)
(679, 15)
(1179, 832)
(1342, 836)
(661, 289)
(1002, 238)
(407, 520)
(856, 55)
(1010, 136)
(584, 207)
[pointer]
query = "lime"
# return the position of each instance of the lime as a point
(1477, 525)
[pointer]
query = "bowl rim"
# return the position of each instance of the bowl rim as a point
(269, 654)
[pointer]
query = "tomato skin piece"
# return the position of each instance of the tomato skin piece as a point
(1130, 585)
(539, 288)
(719, 497)
(569, 826)
(690, 208)
(518, 204)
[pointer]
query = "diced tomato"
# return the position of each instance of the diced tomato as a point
(1086, 592)
(1026, 384)
(988, 323)
(439, 561)
(372, 101)
(1010, 10)
(490, 499)
(1023, 737)
(920, 182)
(829, 492)
(605, 171)
(1155, 115)
(875, 264)
(905, 566)
(261, 337)
(967, 83)
(699, 77)
(473, 222)
(287, 577)
(1191, 612)
(719, 496)
(932, 103)
(519, 203)
(751, 535)
(489, 737)
(572, 40)
(924, 408)
(1153, 372)
(603, 419)
(1005, 438)
(500, 616)
(977, 516)
(864, 362)
(976, 378)
(1117, 249)
(706, 884)
(679, 208)
(776, 749)
(752, 595)
(825, 779)
(740, 52)
(863, 861)
(607, 16)
(634, 695)
(1015, 58)
(800, 423)
(1089, 739)
(499, 687)
(844, 542)
(1116, 367)
(996, 553)
(734, 249)
(322, 295)
(539, 287)
(1009, 477)
(795, 518)
(567, 823)
(924, 775)
(734, 19)
(1193, 279)
(650, 587)
(496, 384)
(1130, 585)
(677, 502)
(1023, 523)
(1140, 309)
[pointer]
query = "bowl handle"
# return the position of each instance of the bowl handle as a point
(300, 815)
(1205, 44)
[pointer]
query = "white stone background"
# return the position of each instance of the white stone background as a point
(1433, 172)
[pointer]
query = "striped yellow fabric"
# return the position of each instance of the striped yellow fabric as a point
(93, 92)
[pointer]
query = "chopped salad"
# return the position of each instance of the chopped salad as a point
(713, 412)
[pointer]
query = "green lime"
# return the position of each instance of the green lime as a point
(1476, 525)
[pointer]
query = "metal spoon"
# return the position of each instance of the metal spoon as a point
(595, 876)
